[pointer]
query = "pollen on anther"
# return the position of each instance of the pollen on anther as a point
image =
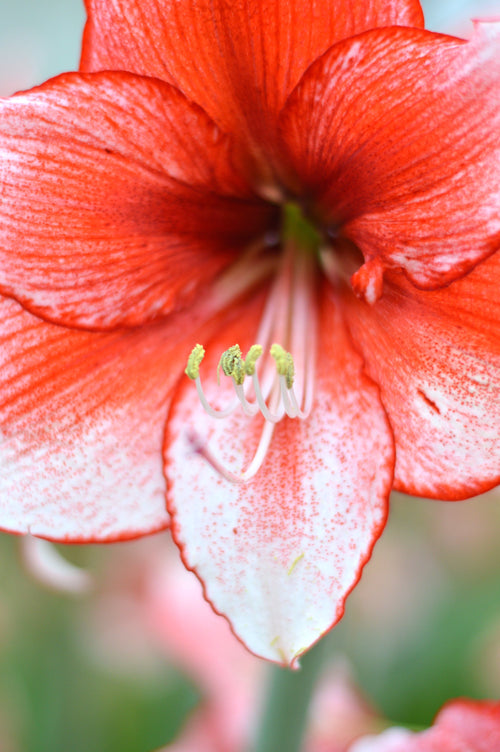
(194, 362)
(238, 372)
(230, 362)
(252, 356)
(284, 363)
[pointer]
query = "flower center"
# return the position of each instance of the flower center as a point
(276, 377)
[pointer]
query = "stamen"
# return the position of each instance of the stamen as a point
(252, 356)
(193, 371)
(212, 411)
(194, 361)
(275, 384)
(229, 361)
(271, 417)
(284, 364)
(290, 409)
(232, 365)
(265, 440)
(249, 408)
(303, 338)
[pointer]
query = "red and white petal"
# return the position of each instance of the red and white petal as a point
(279, 554)
(436, 358)
(238, 60)
(82, 420)
(395, 134)
(461, 726)
(119, 200)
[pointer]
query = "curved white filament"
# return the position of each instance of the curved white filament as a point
(289, 319)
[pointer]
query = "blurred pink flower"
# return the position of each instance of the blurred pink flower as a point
(461, 726)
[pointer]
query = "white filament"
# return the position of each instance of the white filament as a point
(289, 318)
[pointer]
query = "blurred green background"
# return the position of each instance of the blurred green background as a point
(79, 674)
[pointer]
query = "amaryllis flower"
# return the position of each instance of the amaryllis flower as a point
(461, 726)
(307, 191)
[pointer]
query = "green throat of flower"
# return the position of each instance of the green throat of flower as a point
(299, 231)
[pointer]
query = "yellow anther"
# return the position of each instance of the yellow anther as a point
(194, 362)
(252, 356)
(229, 361)
(239, 373)
(284, 363)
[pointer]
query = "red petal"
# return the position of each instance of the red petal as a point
(279, 554)
(461, 726)
(119, 200)
(395, 133)
(436, 358)
(82, 419)
(230, 57)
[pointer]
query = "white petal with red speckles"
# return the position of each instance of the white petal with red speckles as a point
(279, 554)
(81, 429)
(82, 416)
(436, 358)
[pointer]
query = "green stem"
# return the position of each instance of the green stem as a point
(285, 713)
